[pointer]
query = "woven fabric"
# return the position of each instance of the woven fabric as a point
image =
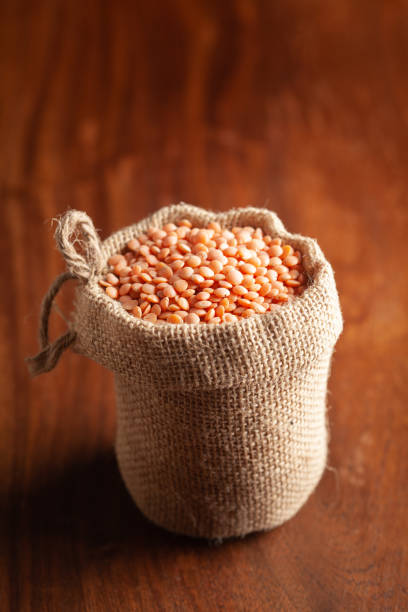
(221, 428)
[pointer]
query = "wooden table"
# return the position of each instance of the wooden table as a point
(121, 107)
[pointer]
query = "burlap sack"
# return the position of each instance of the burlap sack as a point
(221, 428)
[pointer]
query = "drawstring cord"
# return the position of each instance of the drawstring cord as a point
(50, 353)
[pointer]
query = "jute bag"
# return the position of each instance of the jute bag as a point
(221, 428)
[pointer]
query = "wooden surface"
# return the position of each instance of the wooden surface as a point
(118, 108)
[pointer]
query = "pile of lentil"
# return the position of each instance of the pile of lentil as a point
(185, 274)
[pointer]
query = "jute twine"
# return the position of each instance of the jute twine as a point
(74, 228)
(221, 428)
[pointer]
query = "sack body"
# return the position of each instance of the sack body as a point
(221, 429)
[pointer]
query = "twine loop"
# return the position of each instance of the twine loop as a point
(74, 228)
(50, 353)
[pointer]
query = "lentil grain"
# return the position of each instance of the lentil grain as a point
(180, 273)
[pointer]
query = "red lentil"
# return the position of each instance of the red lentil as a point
(112, 292)
(184, 274)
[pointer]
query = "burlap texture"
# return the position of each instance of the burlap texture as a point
(221, 428)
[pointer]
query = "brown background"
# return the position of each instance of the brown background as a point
(118, 108)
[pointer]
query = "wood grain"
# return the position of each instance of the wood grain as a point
(118, 108)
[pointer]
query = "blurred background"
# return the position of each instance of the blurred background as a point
(118, 108)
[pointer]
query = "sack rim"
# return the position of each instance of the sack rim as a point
(319, 273)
